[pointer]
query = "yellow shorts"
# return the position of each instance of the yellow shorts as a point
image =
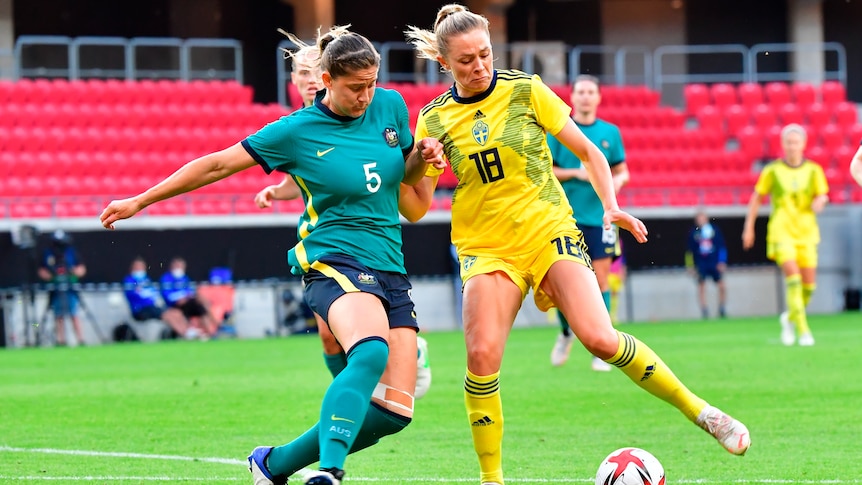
(528, 270)
(805, 255)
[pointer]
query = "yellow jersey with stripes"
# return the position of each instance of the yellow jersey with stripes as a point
(507, 199)
(791, 191)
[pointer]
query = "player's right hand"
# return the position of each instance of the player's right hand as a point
(747, 239)
(628, 222)
(119, 209)
(263, 199)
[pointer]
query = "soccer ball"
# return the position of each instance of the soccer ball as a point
(630, 466)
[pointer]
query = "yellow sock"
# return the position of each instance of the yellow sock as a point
(796, 303)
(485, 413)
(807, 291)
(647, 370)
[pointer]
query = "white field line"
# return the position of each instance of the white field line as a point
(232, 461)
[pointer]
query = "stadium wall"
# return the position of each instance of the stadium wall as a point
(658, 287)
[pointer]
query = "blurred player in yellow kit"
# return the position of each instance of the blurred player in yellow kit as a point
(798, 191)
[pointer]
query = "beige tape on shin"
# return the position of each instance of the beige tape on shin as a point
(393, 399)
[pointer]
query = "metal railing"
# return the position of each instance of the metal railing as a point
(187, 59)
(127, 58)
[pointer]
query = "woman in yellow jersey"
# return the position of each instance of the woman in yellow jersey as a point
(798, 191)
(513, 229)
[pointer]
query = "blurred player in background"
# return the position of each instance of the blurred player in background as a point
(514, 231)
(306, 77)
(798, 191)
(587, 208)
(706, 257)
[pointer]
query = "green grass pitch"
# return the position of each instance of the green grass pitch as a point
(189, 412)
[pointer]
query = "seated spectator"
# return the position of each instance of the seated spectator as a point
(144, 302)
(178, 293)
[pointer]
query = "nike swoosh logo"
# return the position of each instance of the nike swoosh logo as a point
(324, 152)
(334, 417)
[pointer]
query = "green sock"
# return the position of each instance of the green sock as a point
(564, 324)
(303, 451)
(346, 401)
(807, 292)
(796, 303)
(335, 363)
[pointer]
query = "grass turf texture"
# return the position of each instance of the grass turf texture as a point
(215, 401)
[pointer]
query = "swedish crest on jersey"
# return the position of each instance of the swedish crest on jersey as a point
(391, 137)
(480, 132)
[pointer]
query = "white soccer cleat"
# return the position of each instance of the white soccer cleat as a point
(599, 365)
(423, 369)
(561, 350)
(806, 339)
(788, 330)
(732, 434)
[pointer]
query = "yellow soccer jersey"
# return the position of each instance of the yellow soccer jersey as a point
(507, 199)
(791, 190)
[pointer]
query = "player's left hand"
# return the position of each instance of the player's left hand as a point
(119, 209)
(626, 221)
(432, 152)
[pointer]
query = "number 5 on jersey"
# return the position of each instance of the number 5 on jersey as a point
(372, 178)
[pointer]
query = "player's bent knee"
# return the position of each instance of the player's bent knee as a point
(395, 400)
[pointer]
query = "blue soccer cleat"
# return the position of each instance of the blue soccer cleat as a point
(257, 467)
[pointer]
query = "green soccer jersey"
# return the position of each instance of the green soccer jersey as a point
(349, 171)
(586, 205)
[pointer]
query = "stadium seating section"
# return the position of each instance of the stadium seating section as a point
(68, 147)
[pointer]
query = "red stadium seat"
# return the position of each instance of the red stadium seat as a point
(720, 196)
(709, 118)
(854, 134)
(764, 116)
(832, 93)
(169, 207)
(817, 116)
(803, 94)
(845, 114)
(30, 209)
(773, 142)
(751, 142)
(831, 137)
(777, 93)
(696, 97)
(684, 197)
(790, 113)
(842, 155)
(736, 116)
(723, 95)
(818, 154)
(646, 198)
(750, 94)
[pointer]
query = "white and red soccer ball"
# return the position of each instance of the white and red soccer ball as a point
(630, 466)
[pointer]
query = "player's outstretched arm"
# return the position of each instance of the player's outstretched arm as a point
(286, 190)
(594, 162)
(856, 166)
(194, 174)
